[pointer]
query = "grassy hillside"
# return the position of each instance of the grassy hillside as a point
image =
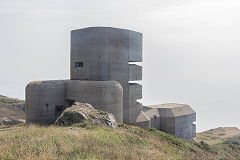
(218, 135)
(128, 142)
(6, 100)
(11, 110)
(92, 142)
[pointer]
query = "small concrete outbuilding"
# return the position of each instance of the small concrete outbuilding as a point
(105, 68)
(172, 118)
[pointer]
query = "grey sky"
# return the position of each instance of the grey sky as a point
(191, 48)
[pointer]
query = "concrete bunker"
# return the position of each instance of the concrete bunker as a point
(172, 118)
(42, 97)
(105, 69)
(103, 95)
(46, 100)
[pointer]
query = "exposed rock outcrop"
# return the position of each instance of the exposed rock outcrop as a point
(84, 114)
(9, 122)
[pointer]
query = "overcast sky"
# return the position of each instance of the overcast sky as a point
(191, 48)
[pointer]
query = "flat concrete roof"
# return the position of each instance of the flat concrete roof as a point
(167, 105)
(173, 109)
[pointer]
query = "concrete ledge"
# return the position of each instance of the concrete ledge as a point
(135, 91)
(135, 72)
(173, 109)
(135, 47)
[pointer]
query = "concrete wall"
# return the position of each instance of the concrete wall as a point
(153, 115)
(45, 100)
(135, 72)
(167, 124)
(42, 98)
(175, 119)
(143, 120)
(105, 53)
(102, 95)
(184, 126)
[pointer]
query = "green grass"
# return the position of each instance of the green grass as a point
(128, 142)
(229, 148)
(102, 112)
(7, 100)
(233, 143)
(85, 141)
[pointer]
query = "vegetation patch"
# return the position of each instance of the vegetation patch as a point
(233, 143)
(7, 100)
(204, 146)
(126, 142)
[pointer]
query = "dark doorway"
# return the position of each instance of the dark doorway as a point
(59, 109)
(70, 102)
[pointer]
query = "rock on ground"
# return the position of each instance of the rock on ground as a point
(84, 113)
(9, 122)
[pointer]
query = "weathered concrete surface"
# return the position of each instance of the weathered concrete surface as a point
(135, 91)
(135, 72)
(42, 98)
(135, 108)
(102, 95)
(45, 100)
(143, 120)
(154, 116)
(105, 53)
(176, 119)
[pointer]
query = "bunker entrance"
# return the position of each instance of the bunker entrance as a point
(59, 109)
(70, 102)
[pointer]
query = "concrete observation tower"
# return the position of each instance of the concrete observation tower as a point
(103, 54)
(104, 72)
